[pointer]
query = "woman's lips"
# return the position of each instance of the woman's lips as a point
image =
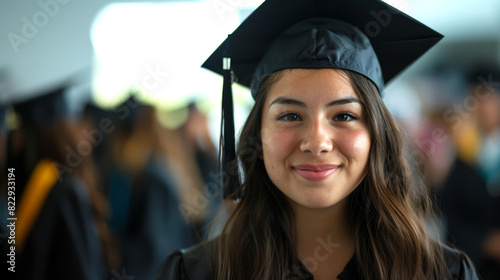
(315, 172)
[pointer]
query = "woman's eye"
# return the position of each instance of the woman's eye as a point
(290, 117)
(344, 117)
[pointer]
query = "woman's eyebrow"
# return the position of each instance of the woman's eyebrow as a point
(342, 101)
(289, 101)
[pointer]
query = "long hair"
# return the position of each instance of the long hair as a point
(386, 212)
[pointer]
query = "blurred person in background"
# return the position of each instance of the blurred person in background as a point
(443, 91)
(447, 143)
(145, 188)
(61, 230)
(98, 123)
(467, 212)
(201, 160)
(484, 96)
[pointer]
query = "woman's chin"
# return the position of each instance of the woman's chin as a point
(316, 202)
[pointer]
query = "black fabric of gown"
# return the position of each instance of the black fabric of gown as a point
(63, 243)
(193, 263)
(155, 226)
(470, 213)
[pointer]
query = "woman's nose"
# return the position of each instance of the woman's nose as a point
(317, 138)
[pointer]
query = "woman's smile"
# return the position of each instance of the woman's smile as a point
(315, 172)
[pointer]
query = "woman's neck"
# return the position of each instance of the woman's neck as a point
(324, 243)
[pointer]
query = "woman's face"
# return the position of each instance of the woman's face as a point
(315, 137)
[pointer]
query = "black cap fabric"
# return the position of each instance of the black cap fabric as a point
(320, 43)
(397, 39)
(44, 109)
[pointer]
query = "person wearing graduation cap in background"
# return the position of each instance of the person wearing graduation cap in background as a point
(327, 191)
(484, 87)
(61, 231)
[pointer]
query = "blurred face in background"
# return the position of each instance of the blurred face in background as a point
(488, 112)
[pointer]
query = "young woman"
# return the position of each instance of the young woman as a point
(328, 192)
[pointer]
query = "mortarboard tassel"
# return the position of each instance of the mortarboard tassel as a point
(229, 172)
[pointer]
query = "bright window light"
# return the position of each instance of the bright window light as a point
(158, 49)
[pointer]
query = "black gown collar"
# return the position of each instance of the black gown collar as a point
(350, 272)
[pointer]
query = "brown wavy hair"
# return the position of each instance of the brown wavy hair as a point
(386, 212)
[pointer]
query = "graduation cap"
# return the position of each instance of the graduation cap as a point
(129, 110)
(369, 37)
(47, 107)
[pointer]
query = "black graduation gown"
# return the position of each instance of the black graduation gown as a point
(155, 226)
(470, 213)
(63, 243)
(192, 263)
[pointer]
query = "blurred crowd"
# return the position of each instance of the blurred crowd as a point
(452, 116)
(103, 193)
(108, 193)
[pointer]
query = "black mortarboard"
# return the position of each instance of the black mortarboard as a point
(128, 111)
(365, 36)
(42, 110)
(95, 114)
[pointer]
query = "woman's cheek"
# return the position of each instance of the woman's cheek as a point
(357, 144)
(278, 141)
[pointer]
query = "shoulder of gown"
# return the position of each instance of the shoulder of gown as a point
(459, 265)
(64, 233)
(192, 263)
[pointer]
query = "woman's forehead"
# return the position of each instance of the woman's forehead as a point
(311, 84)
